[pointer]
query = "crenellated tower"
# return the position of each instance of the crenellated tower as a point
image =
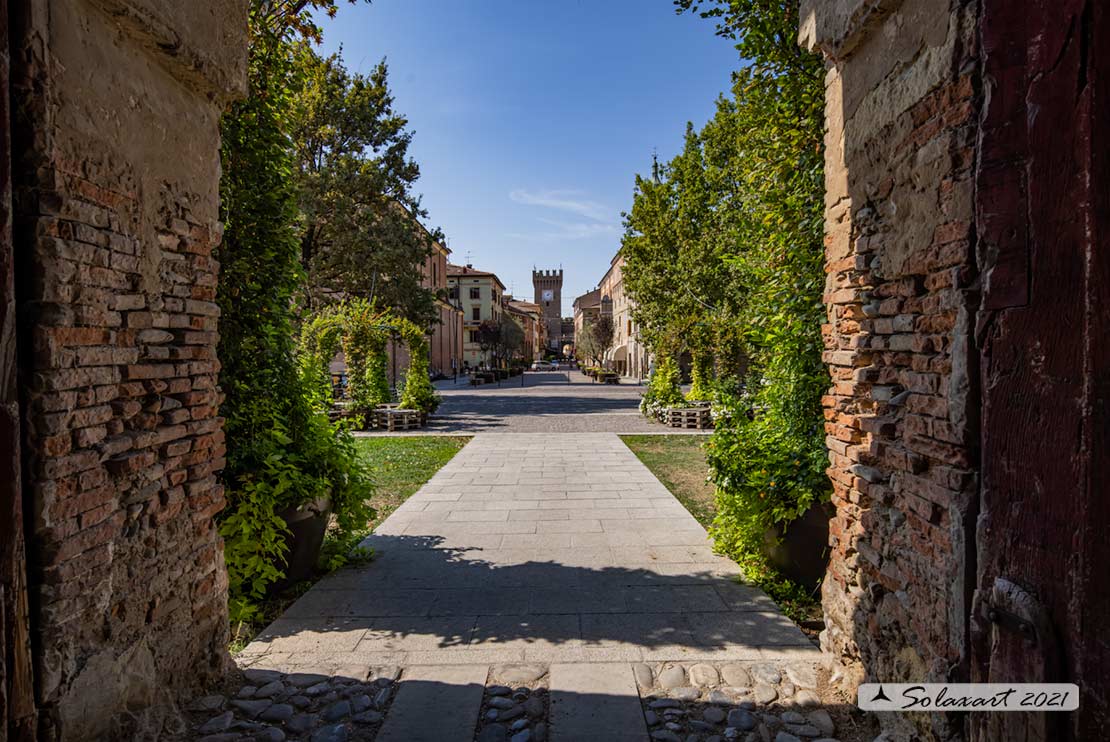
(548, 287)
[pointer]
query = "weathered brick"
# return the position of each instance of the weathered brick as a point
(58, 444)
(63, 466)
(154, 336)
(906, 268)
(91, 416)
(106, 355)
(60, 380)
(130, 462)
(150, 371)
(86, 437)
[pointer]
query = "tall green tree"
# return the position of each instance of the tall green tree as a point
(511, 345)
(650, 246)
(597, 337)
(360, 235)
(765, 149)
(724, 256)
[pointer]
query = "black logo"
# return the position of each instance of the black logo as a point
(880, 696)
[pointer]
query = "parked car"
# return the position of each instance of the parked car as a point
(541, 366)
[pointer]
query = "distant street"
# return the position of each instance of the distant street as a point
(547, 402)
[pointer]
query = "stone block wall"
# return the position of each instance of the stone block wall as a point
(116, 170)
(901, 112)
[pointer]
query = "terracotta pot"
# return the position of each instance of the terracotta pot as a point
(307, 525)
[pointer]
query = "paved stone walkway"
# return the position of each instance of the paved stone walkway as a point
(556, 559)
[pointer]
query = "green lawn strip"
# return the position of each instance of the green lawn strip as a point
(400, 466)
(678, 461)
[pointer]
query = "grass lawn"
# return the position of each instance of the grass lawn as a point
(679, 462)
(401, 464)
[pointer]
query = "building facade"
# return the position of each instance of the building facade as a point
(479, 295)
(548, 288)
(587, 309)
(566, 336)
(446, 336)
(530, 318)
(627, 355)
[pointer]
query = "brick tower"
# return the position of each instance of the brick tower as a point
(548, 286)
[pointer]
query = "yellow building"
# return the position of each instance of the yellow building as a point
(479, 293)
(587, 310)
(627, 355)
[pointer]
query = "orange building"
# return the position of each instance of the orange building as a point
(530, 318)
(445, 336)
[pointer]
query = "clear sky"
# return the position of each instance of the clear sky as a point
(532, 117)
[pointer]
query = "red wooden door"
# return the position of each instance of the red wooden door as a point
(1043, 213)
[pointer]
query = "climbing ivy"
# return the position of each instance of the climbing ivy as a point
(419, 394)
(282, 452)
(701, 375)
(363, 331)
(365, 334)
(320, 339)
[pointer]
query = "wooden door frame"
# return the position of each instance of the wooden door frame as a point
(1041, 609)
(17, 705)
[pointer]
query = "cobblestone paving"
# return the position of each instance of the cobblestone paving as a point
(536, 555)
(551, 402)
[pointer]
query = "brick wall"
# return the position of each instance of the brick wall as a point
(901, 118)
(116, 168)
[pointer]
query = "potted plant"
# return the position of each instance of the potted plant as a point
(305, 525)
(310, 478)
(799, 549)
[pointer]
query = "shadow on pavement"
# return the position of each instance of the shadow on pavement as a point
(421, 595)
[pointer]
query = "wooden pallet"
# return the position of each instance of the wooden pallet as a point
(393, 419)
(689, 417)
(690, 424)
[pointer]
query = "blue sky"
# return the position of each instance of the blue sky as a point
(532, 117)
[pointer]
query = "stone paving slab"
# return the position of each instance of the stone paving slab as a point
(596, 703)
(436, 704)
